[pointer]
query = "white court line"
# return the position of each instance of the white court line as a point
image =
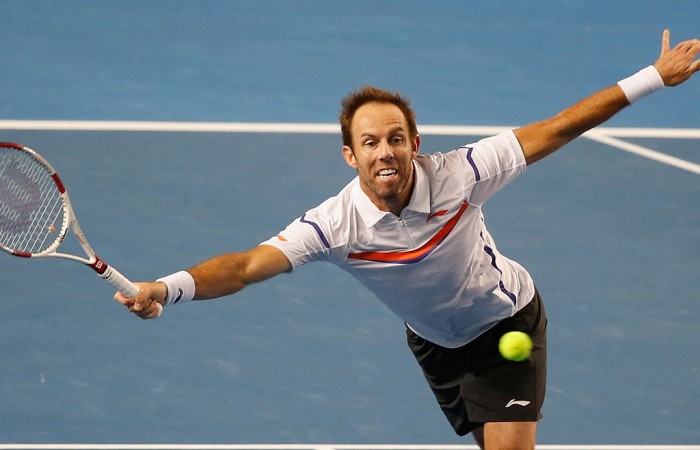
(601, 134)
(663, 133)
(320, 447)
(321, 128)
(194, 127)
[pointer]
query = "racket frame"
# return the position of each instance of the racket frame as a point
(104, 270)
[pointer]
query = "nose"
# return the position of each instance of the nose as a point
(385, 150)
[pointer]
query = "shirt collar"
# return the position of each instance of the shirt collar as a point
(419, 202)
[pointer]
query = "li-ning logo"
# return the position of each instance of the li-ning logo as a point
(517, 402)
(442, 212)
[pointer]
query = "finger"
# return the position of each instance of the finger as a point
(153, 311)
(665, 41)
(126, 301)
(147, 311)
(695, 67)
(142, 304)
(686, 46)
(695, 47)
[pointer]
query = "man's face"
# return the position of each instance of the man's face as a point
(382, 152)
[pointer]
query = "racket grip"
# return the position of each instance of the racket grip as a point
(119, 281)
(123, 285)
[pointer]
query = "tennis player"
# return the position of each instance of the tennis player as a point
(411, 229)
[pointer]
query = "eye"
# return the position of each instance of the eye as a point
(369, 143)
(397, 140)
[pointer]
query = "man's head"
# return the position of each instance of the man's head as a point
(381, 143)
(368, 94)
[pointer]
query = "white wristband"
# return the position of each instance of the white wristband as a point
(180, 287)
(641, 84)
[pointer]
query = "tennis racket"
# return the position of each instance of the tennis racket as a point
(36, 213)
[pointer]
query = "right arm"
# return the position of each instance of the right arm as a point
(219, 276)
(229, 273)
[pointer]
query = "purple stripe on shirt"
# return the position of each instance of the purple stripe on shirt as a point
(472, 163)
(318, 230)
(511, 296)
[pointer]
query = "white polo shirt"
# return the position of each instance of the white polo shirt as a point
(436, 266)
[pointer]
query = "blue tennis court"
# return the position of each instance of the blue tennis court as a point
(607, 226)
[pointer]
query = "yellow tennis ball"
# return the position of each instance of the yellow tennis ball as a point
(515, 346)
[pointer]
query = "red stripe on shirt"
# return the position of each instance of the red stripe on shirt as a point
(416, 255)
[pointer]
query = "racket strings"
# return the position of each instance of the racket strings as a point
(43, 225)
(31, 207)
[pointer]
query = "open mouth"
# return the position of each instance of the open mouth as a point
(387, 173)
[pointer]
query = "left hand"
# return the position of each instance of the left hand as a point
(678, 64)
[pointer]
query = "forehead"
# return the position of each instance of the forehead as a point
(374, 117)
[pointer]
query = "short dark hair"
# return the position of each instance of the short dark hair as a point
(368, 94)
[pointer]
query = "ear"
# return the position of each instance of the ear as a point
(416, 146)
(349, 157)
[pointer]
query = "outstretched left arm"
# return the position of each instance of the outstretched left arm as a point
(542, 138)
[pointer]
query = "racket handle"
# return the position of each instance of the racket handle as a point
(123, 285)
(119, 281)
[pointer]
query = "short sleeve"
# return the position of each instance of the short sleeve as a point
(491, 164)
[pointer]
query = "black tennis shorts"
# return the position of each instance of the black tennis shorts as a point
(474, 384)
